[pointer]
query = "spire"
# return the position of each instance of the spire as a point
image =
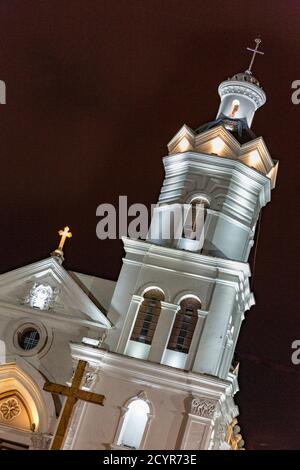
(255, 51)
(58, 253)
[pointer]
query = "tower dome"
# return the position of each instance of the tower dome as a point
(242, 94)
(246, 77)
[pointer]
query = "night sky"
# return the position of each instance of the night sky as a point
(95, 91)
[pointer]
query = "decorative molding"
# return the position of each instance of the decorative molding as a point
(232, 87)
(41, 296)
(218, 440)
(10, 409)
(90, 377)
(40, 441)
(196, 162)
(168, 378)
(220, 271)
(142, 395)
(203, 407)
(50, 269)
(122, 421)
(142, 247)
(15, 328)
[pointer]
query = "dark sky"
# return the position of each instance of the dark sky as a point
(95, 90)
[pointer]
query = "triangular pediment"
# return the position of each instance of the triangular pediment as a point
(66, 298)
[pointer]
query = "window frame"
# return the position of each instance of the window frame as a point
(173, 344)
(124, 409)
(151, 298)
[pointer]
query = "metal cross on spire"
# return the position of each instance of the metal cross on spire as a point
(255, 51)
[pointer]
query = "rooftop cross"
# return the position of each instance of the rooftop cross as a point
(58, 253)
(255, 51)
(65, 233)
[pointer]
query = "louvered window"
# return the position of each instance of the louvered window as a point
(147, 317)
(184, 325)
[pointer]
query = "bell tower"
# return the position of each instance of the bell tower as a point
(168, 281)
(182, 293)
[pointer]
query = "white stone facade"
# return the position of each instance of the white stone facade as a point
(49, 318)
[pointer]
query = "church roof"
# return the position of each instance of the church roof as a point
(74, 301)
(98, 288)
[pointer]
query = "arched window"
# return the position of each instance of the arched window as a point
(134, 424)
(196, 204)
(147, 317)
(234, 108)
(196, 218)
(184, 325)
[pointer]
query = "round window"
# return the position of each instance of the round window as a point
(28, 338)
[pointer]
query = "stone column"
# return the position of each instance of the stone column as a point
(129, 321)
(40, 441)
(211, 347)
(199, 424)
(163, 331)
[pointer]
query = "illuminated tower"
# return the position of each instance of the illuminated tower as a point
(179, 302)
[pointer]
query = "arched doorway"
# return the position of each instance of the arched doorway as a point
(23, 411)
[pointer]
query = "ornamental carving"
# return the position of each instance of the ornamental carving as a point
(10, 408)
(242, 90)
(221, 432)
(40, 441)
(41, 296)
(90, 377)
(203, 407)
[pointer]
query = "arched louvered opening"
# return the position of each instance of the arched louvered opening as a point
(184, 325)
(148, 316)
(197, 205)
(195, 218)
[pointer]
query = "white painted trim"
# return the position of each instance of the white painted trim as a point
(149, 373)
(63, 278)
(124, 409)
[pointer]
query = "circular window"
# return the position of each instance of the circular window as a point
(28, 338)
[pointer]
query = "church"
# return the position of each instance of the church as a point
(146, 362)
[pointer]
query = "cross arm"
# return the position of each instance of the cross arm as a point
(90, 397)
(255, 50)
(57, 388)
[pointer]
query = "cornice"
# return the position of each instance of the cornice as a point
(233, 87)
(51, 317)
(49, 266)
(152, 374)
(235, 151)
(178, 163)
(233, 274)
(227, 265)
